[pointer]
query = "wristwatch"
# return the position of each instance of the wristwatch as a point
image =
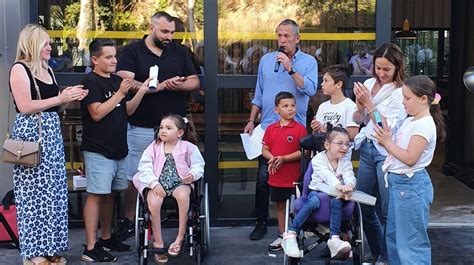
(292, 71)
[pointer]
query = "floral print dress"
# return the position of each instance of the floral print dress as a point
(169, 178)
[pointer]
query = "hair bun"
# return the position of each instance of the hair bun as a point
(329, 126)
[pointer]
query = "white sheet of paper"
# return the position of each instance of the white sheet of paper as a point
(357, 195)
(253, 143)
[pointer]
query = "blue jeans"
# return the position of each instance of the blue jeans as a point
(262, 191)
(370, 179)
(311, 205)
(336, 216)
(408, 214)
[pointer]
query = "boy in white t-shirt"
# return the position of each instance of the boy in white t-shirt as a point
(339, 110)
(410, 188)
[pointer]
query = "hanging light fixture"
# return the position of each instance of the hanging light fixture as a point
(405, 33)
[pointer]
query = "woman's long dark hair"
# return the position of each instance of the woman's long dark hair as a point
(393, 54)
(422, 85)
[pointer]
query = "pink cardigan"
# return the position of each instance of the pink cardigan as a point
(186, 155)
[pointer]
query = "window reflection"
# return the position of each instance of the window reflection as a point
(421, 55)
(241, 58)
(250, 26)
(73, 24)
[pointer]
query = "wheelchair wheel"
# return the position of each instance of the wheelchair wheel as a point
(293, 261)
(198, 254)
(287, 260)
(140, 231)
(357, 240)
(205, 224)
(138, 220)
(143, 260)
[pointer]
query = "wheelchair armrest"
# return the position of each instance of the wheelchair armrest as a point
(296, 183)
(144, 197)
(198, 185)
(145, 193)
(198, 188)
(298, 188)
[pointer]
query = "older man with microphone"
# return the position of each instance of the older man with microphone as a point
(287, 69)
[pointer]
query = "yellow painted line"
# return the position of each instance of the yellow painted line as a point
(303, 36)
(355, 164)
(238, 164)
(222, 165)
(200, 36)
(254, 164)
(76, 165)
(114, 34)
(338, 36)
(97, 34)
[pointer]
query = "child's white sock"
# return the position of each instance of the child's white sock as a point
(334, 237)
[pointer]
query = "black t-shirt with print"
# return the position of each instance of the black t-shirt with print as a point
(174, 61)
(108, 136)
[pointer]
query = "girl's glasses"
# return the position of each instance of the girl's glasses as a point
(343, 144)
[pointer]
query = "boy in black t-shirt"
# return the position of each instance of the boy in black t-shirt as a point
(104, 144)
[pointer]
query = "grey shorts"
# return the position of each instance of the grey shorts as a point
(104, 175)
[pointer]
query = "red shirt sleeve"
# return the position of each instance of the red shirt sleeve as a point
(301, 132)
(266, 137)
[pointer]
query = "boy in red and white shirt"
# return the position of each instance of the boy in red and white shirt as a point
(281, 149)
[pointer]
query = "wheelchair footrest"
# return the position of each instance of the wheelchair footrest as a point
(152, 250)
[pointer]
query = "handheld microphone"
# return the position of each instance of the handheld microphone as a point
(277, 64)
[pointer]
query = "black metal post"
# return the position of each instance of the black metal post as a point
(457, 93)
(383, 22)
(210, 108)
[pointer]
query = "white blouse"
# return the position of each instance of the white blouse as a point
(390, 106)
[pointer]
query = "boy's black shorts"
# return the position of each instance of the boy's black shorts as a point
(278, 194)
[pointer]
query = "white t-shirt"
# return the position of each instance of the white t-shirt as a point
(424, 127)
(338, 114)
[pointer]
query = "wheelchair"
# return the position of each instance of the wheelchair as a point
(197, 239)
(317, 224)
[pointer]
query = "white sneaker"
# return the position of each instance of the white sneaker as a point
(338, 247)
(290, 245)
(276, 244)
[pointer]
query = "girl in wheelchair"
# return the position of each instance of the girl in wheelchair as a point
(168, 167)
(331, 168)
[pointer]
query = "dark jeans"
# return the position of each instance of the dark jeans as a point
(370, 179)
(262, 191)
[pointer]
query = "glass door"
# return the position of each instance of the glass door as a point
(246, 31)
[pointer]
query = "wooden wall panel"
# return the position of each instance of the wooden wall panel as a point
(422, 14)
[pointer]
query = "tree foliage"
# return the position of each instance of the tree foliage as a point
(234, 15)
